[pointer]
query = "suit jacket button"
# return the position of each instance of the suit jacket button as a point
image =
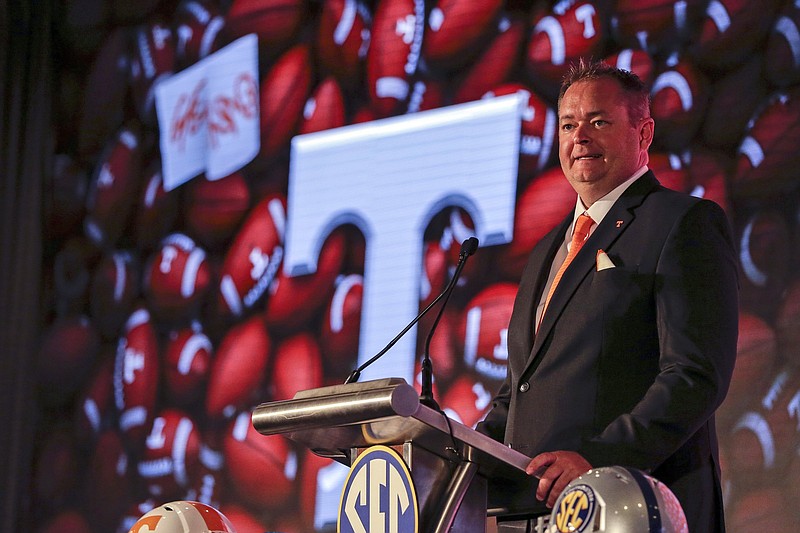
(524, 387)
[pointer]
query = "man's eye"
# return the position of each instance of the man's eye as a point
(600, 123)
(567, 127)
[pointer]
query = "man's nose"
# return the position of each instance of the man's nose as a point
(581, 135)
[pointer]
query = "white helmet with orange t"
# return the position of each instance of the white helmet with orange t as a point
(183, 517)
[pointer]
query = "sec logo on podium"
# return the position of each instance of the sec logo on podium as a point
(378, 495)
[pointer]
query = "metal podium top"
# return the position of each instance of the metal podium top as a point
(332, 420)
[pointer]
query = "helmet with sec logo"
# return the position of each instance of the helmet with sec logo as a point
(616, 499)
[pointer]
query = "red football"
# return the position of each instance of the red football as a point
(655, 25)
(467, 400)
(341, 325)
(152, 60)
(157, 209)
(114, 290)
(95, 405)
(213, 210)
(284, 92)
(781, 405)
(495, 64)
(261, 468)
(434, 272)
(455, 28)
(458, 227)
(356, 249)
(544, 203)
(274, 21)
(394, 54)
(324, 109)
(538, 147)
(297, 365)
(177, 278)
(363, 114)
(134, 511)
(199, 29)
(755, 363)
(444, 352)
(634, 60)
(708, 176)
(764, 438)
(679, 99)
(483, 330)
(253, 259)
(293, 301)
(106, 88)
(187, 364)
(114, 186)
(561, 35)
(730, 30)
(321, 481)
(728, 113)
(68, 349)
(764, 259)
(171, 455)
(208, 485)
(781, 59)
(427, 94)
(760, 509)
(670, 170)
(768, 153)
(137, 377)
(343, 38)
(243, 520)
(238, 369)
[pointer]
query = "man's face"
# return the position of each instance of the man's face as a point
(599, 148)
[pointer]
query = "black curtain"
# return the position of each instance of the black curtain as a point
(26, 155)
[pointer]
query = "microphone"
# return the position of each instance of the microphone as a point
(468, 248)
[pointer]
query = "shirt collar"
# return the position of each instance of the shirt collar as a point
(601, 207)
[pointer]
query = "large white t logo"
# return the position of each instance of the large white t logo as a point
(389, 178)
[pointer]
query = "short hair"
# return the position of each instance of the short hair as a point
(637, 92)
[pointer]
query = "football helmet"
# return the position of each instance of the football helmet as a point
(616, 499)
(183, 517)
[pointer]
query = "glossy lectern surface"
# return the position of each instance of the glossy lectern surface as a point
(332, 420)
(336, 421)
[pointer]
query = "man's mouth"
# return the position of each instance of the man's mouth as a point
(587, 157)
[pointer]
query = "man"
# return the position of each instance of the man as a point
(626, 360)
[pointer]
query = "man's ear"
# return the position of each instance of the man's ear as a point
(646, 132)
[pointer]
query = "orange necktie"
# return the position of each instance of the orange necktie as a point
(579, 235)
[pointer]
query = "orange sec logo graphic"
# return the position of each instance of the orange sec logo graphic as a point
(576, 509)
(379, 495)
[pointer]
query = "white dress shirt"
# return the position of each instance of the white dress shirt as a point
(597, 211)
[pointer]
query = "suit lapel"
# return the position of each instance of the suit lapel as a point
(618, 219)
(532, 283)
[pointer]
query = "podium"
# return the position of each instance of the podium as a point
(451, 465)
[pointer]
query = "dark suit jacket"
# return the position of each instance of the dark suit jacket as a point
(630, 363)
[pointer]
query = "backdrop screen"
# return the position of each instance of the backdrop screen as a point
(253, 197)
